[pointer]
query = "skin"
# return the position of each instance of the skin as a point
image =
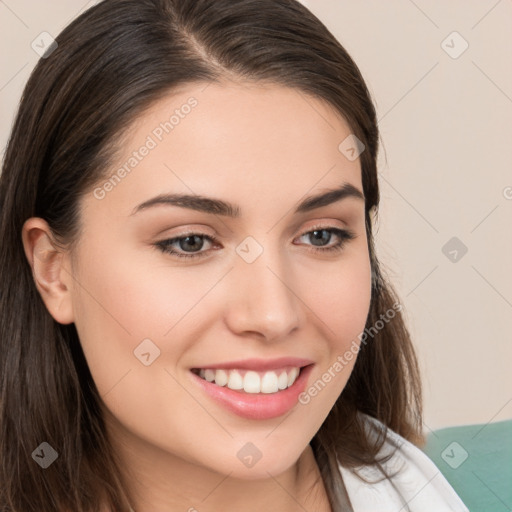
(264, 148)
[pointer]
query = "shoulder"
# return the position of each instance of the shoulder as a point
(415, 482)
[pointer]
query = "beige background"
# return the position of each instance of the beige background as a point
(445, 164)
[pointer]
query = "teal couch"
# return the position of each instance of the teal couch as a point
(477, 461)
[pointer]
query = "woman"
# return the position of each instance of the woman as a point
(193, 316)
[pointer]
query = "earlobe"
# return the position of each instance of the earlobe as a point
(49, 269)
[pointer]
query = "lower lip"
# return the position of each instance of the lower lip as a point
(257, 406)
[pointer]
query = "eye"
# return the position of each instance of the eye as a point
(189, 245)
(320, 237)
(186, 242)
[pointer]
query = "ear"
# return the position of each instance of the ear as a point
(50, 269)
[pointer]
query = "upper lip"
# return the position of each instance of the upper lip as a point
(259, 364)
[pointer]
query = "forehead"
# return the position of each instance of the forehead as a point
(253, 142)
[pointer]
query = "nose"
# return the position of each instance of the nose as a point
(263, 298)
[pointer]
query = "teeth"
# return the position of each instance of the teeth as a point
(292, 376)
(221, 377)
(209, 375)
(269, 383)
(251, 381)
(282, 381)
(236, 381)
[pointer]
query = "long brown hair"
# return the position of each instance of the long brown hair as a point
(110, 64)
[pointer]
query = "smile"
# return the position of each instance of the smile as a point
(248, 381)
(258, 395)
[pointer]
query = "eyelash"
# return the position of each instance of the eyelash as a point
(343, 235)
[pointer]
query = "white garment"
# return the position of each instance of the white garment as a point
(421, 486)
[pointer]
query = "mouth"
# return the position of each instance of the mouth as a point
(251, 381)
(253, 395)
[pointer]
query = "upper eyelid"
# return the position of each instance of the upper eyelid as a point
(215, 238)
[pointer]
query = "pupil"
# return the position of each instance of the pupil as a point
(324, 232)
(185, 241)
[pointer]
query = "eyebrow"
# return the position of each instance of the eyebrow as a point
(219, 207)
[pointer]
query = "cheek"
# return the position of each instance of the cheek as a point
(117, 305)
(340, 296)
(137, 298)
(125, 305)
(125, 300)
(341, 299)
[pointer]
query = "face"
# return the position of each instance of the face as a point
(163, 290)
